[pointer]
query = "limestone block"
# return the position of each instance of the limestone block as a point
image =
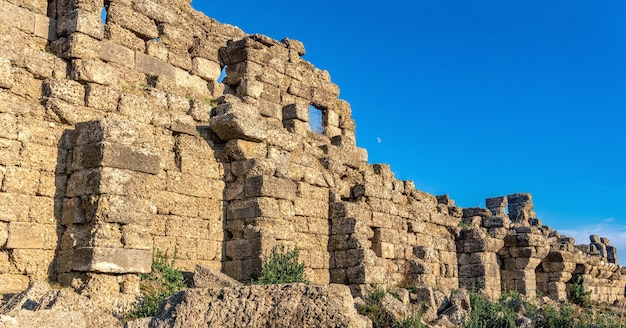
(65, 113)
(14, 207)
(94, 71)
(153, 66)
(594, 239)
(112, 52)
(124, 16)
(112, 260)
(26, 85)
(6, 76)
(186, 227)
(495, 222)
(238, 121)
(156, 11)
(239, 149)
(175, 36)
(201, 167)
(113, 130)
(67, 90)
(298, 127)
(101, 97)
(8, 127)
(14, 16)
(105, 154)
(81, 21)
(308, 191)
(108, 181)
(43, 158)
(521, 208)
(119, 35)
(384, 250)
(268, 186)
(254, 208)
(245, 49)
(200, 110)
(137, 236)
(45, 27)
(205, 68)
(20, 180)
(204, 48)
(13, 283)
(193, 185)
(83, 46)
(25, 235)
(311, 207)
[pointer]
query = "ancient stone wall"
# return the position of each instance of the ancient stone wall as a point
(117, 138)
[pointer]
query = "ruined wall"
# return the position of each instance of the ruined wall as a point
(116, 138)
(97, 197)
(523, 254)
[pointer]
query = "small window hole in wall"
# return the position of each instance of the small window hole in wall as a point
(103, 15)
(316, 119)
(222, 76)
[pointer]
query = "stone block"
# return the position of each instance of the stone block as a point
(82, 46)
(105, 154)
(96, 71)
(384, 250)
(253, 208)
(25, 235)
(153, 66)
(119, 35)
(81, 21)
(112, 260)
(137, 236)
(6, 76)
(268, 186)
(139, 24)
(112, 52)
(4, 236)
(113, 130)
(194, 185)
(156, 11)
(176, 226)
(238, 121)
(67, 90)
(43, 158)
(311, 207)
(201, 167)
(205, 68)
(8, 127)
(13, 283)
(20, 180)
(45, 27)
(14, 207)
(101, 97)
(14, 16)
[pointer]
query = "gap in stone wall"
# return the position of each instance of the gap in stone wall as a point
(103, 15)
(222, 76)
(316, 119)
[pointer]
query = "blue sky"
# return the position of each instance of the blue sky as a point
(478, 98)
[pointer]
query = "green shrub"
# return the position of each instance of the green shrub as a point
(282, 266)
(487, 314)
(374, 311)
(163, 281)
(578, 295)
(559, 317)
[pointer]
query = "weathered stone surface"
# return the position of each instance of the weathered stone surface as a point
(273, 305)
(42, 306)
(112, 260)
(206, 277)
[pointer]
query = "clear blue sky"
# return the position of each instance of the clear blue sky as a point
(478, 98)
